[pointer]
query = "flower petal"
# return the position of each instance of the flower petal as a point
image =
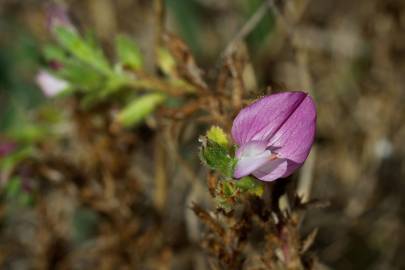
(246, 165)
(49, 84)
(251, 148)
(264, 117)
(272, 170)
(6, 147)
(295, 137)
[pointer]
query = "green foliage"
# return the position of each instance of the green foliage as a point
(215, 152)
(166, 61)
(228, 192)
(250, 185)
(82, 63)
(81, 76)
(27, 132)
(19, 58)
(9, 161)
(139, 108)
(264, 28)
(188, 17)
(54, 53)
(128, 52)
(217, 157)
(84, 50)
(13, 192)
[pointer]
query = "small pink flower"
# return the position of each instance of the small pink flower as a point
(275, 135)
(49, 84)
(57, 16)
(6, 147)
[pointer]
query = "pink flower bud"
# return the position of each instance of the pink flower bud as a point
(275, 135)
(57, 16)
(49, 84)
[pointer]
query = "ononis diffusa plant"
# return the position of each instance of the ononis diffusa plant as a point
(104, 149)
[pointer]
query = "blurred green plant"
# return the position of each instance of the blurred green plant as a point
(128, 52)
(14, 193)
(12, 175)
(82, 64)
(263, 29)
(9, 161)
(188, 17)
(139, 108)
(19, 59)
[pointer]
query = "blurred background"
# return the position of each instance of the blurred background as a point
(349, 55)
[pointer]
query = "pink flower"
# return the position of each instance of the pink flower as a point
(6, 147)
(57, 16)
(49, 84)
(275, 135)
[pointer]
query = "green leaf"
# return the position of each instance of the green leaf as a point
(228, 188)
(128, 52)
(81, 76)
(54, 53)
(27, 132)
(83, 50)
(13, 188)
(13, 192)
(9, 161)
(189, 19)
(226, 195)
(166, 62)
(114, 82)
(257, 37)
(139, 108)
(26, 199)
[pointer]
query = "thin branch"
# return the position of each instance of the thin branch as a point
(250, 25)
(160, 17)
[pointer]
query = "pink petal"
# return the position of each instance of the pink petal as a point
(272, 170)
(264, 117)
(6, 147)
(251, 156)
(295, 137)
(49, 84)
(251, 148)
(247, 165)
(286, 122)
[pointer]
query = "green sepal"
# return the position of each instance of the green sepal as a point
(217, 157)
(250, 185)
(216, 134)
